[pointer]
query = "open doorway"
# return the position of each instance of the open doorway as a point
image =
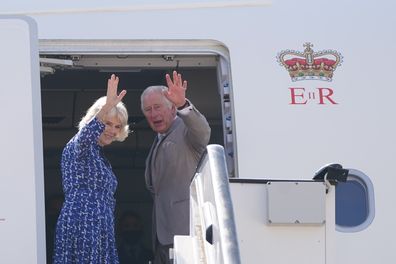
(72, 79)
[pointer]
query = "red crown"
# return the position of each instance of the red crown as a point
(310, 65)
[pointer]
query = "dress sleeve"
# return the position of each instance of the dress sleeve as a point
(88, 135)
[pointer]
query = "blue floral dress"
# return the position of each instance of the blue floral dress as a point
(85, 227)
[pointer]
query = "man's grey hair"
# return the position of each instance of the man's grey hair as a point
(160, 89)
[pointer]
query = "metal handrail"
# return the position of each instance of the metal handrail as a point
(210, 185)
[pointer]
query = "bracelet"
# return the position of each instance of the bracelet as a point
(184, 106)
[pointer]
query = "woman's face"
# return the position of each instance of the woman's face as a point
(112, 129)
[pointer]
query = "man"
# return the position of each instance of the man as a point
(183, 134)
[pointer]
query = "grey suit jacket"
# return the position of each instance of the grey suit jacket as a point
(169, 169)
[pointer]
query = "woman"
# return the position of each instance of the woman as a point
(85, 227)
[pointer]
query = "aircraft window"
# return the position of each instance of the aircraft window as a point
(354, 203)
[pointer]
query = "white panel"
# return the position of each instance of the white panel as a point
(296, 202)
(21, 181)
(183, 250)
(281, 244)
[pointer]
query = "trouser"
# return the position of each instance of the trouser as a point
(161, 254)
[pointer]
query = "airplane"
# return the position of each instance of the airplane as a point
(299, 96)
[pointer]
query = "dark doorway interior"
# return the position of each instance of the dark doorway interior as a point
(68, 93)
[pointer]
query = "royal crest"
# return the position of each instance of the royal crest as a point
(310, 65)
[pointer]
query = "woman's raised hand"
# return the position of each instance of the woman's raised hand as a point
(112, 97)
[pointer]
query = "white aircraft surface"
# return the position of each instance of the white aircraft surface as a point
(287, 87)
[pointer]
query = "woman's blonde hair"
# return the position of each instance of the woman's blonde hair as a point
(119, 110)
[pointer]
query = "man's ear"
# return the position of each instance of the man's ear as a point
(174, 111)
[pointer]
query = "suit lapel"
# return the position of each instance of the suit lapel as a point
(153, 176)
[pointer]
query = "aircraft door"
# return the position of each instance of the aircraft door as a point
(22, 233)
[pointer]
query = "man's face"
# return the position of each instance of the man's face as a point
(158, 114)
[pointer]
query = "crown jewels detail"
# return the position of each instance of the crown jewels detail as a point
(310, 65)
